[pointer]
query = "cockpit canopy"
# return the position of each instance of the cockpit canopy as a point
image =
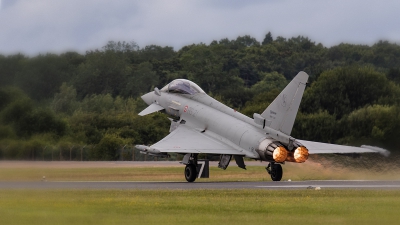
(182, 86)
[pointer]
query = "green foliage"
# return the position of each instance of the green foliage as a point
(75, 99)
(155, 52)
(40, 121)
(260, 102)
(7, 132)
(319, 126)
(268, 39)
(25, 129)
(269, 82)
(103, 72)
(11, 94)
(246, 41)
(65, 100)
(349, 53)
(343, 90)
(202, 66)
(386, 55)
(394, 75)
(107, 148)
(91, 127)
(236, 97)
(13, 149)
(151, 128)
(379, 124)
(17, 111)
(10, 66)
(142, 80)
(27, 120)
(41, 76)
(31, 149)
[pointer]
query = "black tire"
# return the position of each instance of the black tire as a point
(276, 172)
(190, 173)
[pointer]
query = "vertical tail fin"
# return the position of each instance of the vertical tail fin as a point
(281, 113)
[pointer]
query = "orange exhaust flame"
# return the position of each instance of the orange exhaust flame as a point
(280, 154)
(299, 155)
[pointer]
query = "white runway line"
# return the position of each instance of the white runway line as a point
(331, 186)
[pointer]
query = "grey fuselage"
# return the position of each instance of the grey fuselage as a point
(206, 114)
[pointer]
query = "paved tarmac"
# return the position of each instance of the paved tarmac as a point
(283, 185)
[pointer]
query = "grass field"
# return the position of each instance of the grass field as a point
(193, 206)
(199, 207)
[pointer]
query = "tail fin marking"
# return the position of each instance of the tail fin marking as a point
(283, 110)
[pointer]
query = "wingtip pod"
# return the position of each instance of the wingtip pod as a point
(141, 147)
(381, 151)
(144, 148)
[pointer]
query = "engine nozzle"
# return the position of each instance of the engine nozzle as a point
(271, 150)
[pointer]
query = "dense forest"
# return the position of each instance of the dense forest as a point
(74, 106)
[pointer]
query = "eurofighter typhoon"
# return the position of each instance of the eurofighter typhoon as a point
(202, 124)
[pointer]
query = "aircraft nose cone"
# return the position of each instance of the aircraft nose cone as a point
(148, 98)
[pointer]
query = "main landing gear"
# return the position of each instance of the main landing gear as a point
(195, 168)
(275, 170)
(190, 172)
(191, 167)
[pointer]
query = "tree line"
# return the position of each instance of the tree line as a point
(84, 106)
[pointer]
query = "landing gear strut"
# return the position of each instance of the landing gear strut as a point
(275, 170)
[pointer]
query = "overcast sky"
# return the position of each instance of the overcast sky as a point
(40, 26)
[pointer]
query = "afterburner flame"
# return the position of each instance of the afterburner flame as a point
(299, 155)
(280, 154)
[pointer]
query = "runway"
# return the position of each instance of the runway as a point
(283, 185)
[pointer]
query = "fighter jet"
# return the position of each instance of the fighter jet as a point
(201, 124)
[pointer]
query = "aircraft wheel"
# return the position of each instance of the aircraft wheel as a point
(190, 172)
(276, 172)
